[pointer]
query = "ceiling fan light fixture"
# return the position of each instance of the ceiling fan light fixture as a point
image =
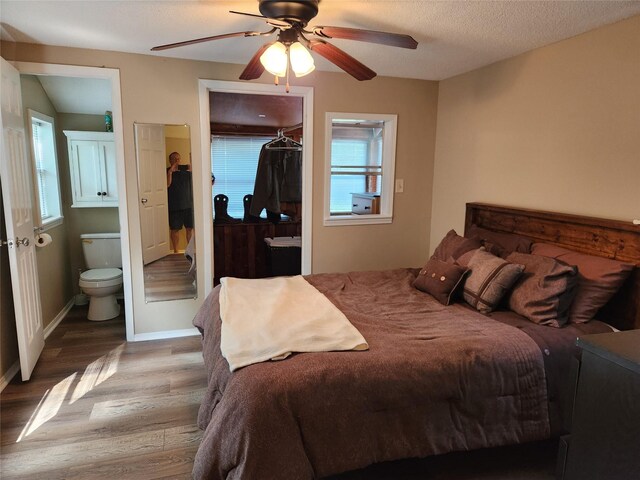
(275, 59)
(301, 60)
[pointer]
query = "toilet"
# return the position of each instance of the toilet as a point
(103, 280)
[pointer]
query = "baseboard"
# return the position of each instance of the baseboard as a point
(187, 332)
(9, 374)
(56, 321)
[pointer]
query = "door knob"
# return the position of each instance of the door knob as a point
(144, 200)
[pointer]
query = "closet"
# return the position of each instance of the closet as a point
(269, 203)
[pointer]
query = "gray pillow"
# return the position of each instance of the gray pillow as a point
(491, 277)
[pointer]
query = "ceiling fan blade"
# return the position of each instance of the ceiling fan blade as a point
(384, 38)
(204, 39)
(271, 21)
(254, 68)
(342, 59)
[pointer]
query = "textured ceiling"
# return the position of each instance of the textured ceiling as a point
(454, 36)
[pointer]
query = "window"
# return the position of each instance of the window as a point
(360, 160)
(45, 168)
(234, 161)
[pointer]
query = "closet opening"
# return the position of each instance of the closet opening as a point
(256, 167)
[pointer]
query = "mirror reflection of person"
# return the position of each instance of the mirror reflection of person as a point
(180, 193)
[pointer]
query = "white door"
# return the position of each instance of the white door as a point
(15, 173)
(152, 190)
(109, 174)
(87, 166)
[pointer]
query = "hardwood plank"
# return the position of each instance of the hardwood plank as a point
(99, 407)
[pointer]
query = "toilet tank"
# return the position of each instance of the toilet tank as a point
(101, 250)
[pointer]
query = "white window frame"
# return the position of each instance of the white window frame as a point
(54, 197)
(388, 170)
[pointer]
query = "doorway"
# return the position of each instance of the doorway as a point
(256, 161)
(77, 77)
(305, 134)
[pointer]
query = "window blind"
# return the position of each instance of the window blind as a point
(41, 170)
(234, 162)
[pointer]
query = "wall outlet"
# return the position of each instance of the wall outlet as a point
(399, 185)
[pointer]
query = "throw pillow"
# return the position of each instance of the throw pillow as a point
(491, 277)
(440, 279)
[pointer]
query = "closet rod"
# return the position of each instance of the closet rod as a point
(293, 127)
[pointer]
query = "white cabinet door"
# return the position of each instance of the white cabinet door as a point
(109, 174)
(92, 158)
(86, 173)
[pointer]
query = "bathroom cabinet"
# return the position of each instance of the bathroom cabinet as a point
(92, 165)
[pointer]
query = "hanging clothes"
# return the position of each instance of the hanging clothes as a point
(278, 180)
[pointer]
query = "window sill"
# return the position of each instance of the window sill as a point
(340, 220)
(51, 223)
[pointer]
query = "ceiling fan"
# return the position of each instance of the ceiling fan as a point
(289, 18)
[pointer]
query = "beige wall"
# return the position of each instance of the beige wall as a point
(165, 90)
(404, 242)
(557, 128)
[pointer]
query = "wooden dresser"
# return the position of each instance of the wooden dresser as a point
(605, 431)
(239, 248)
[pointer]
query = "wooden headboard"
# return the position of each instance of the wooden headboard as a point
(594, 236)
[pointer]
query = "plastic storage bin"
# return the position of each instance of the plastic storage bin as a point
(284, 255)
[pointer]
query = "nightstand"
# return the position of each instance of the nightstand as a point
(605, 431)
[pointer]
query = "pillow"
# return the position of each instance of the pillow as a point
(490, 279)
(598, 279)
(544, 292)
(453, 245)
(440, 279)
(500, 244)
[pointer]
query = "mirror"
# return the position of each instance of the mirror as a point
(165, 190)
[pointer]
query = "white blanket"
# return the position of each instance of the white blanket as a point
(268, 319)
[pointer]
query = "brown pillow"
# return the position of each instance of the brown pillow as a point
(491, 277)
(453, 245)
(544, 292)
(598, 279)
(500, 244)
(440, 279)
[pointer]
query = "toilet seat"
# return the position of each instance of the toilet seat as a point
(101, 277)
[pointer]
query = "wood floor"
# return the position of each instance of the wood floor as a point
(98, 407)
(168, 279)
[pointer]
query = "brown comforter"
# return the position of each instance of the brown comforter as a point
(436, 379)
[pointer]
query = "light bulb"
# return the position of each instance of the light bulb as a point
(274, 59)
(301, 60)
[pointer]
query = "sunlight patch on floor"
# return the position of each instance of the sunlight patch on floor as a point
(97, 372)
(48, 407)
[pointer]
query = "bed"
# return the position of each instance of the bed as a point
(436, 378)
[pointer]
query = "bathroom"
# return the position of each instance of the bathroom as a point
(74, 105)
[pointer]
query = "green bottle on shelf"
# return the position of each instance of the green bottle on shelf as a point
(108, 121)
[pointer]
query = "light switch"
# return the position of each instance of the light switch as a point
(399, 185)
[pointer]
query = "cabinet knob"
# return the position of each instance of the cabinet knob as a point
(99, 194)
(104, 194)
(144, 200)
